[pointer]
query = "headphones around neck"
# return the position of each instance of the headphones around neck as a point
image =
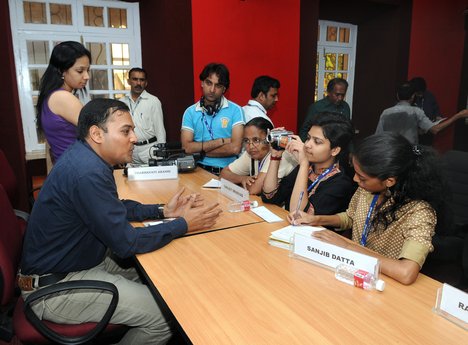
(210, 109)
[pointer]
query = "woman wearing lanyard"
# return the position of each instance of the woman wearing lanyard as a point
(250, 168)
(393, 212)
(57, 106)
(319, 175)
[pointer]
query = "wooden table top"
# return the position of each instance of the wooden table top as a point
(160, 191)
(232, 287)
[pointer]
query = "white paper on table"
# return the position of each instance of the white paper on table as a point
(266, 214)
(285, 234)
(213, 183)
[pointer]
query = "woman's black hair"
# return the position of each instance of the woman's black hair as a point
(64, 56)
(340, 132)
(261, 123)
(416, 169)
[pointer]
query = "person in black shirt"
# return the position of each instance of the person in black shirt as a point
(320, 176)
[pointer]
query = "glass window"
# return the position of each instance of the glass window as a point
(34, 12)
(344, 35)
(93, 16)
(60, 14)
(120, 54)
(35, 75)
(331, 33)
(336, 51)
(38, 52)
(98, 53)
(120, 79)
(117, 18)
(343, 61)
(98, 80)
(330, 62)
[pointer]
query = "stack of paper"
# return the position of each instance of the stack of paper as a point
(282, 238)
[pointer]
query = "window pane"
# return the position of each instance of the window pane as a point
(342, 75)
(344, 35)
(98, 80)
(343, 62)
(38, 52)
(60, 14)
(117, 18)
(98, 53)
(93, 16)
(35, 75)
(331, 33)
(330, 62)
(120, 79)
(34, 12)
(120, 54)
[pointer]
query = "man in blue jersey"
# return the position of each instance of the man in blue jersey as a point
(214, 126)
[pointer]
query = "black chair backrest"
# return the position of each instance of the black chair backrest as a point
(455, 167)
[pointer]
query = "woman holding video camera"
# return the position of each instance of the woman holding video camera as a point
(318, 185)
(249, 170)
(394, 211)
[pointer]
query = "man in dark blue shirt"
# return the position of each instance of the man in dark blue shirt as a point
(78, 220)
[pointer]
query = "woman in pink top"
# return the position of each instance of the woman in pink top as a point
(57, 107)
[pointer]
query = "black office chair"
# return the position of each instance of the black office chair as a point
(449, 261)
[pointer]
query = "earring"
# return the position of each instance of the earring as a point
(63, 77)
(388, 193)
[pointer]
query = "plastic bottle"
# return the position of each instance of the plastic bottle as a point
(360, 278)
(245, 205)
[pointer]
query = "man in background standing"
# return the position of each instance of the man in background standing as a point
(146, 114)
(334, 103)
(264, 97)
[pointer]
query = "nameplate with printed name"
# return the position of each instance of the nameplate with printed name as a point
(233, 191)
(153, 173)
(330, 255)
(452, 304)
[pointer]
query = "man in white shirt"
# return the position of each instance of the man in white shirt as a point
(146, 114)
(264, 97)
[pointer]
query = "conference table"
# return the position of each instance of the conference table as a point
(229, 286)
(160, 191)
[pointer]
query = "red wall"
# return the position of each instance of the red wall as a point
(252, 37)
(436, 51)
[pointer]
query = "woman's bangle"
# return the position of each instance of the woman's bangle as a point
(222, 141)
(273, 158)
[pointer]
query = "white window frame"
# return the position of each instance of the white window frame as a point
(324, 47)
(23, 32)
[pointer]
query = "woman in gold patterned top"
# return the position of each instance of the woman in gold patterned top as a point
(393, 212)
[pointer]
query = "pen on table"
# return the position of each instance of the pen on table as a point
(296, 214)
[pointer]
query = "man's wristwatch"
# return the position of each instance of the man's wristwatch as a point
(160, 211)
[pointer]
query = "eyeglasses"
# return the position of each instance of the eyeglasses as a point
(254, 141)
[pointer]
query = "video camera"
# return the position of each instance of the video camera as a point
(165, 154)
(279, 138)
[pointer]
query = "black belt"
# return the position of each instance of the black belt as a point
(149, 141)
(30, 283)
(213, 170)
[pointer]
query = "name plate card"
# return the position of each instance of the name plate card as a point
(153, 173)
(453, 305)
(233, 191)
(330, 255)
